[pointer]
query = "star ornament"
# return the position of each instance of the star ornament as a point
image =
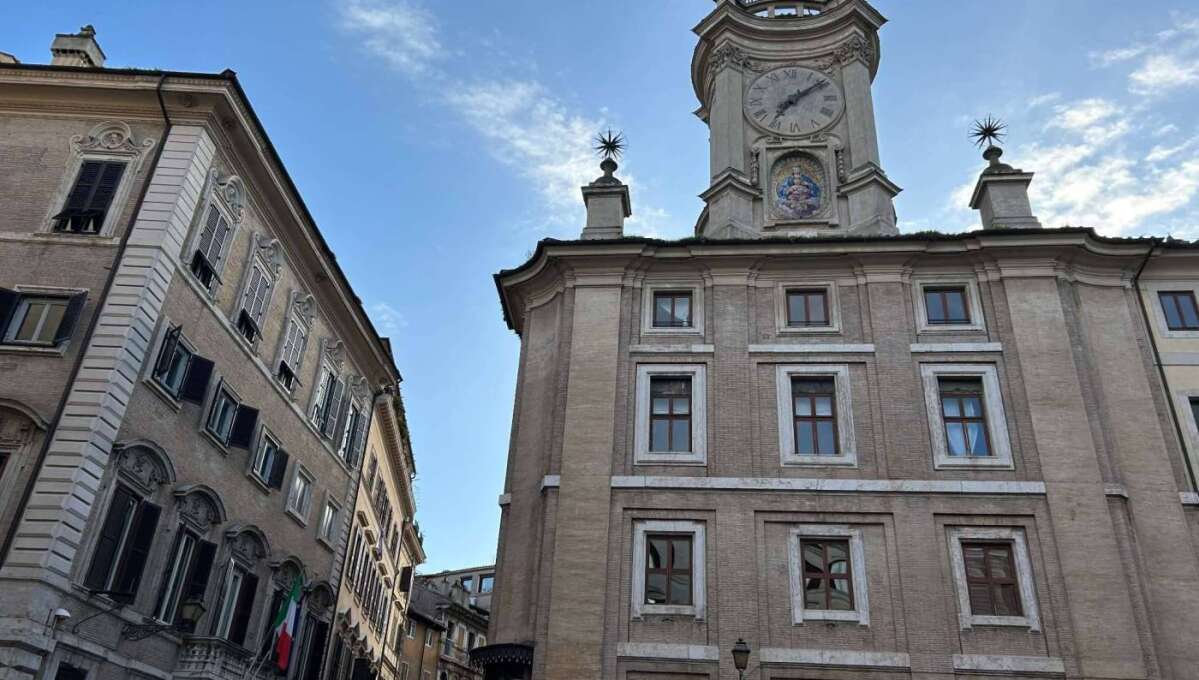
(609, 145)
(988, 131)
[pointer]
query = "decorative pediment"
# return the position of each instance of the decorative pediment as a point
(143, 464)
(303, 305)
(199, 507)
(269, 250)
(247, 543)
(287, 570)
(360, 389)
(319, 596)
(16, 428)
(112, 137)
(334, 352)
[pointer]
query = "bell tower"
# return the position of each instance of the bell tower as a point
(784, 87)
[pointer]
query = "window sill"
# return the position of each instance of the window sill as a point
(58, 237)
(687, 330)
(259, 482)
(967, 463)
(843, 460)
(162, 393)
(1004, 621)
(35, 350)
(296, 517)
(685, 459)
(831, 616)
(950, 328)
(810, 330)
(326, 544)
(212, 439)
(648, 610)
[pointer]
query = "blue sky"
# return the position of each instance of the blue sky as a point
(435, 142)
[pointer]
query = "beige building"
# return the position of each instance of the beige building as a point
(866, 454)
(465, 626)
(420, 647)
(187, 381)
(384, 549)
(477, 582)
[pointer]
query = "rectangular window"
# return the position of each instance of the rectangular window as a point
(301, 493)
(174, 358)
(946, 305)
(222, 415)
(964, 414)
(428, 637)
(3, 463)
(40, 320)
(350, 435)
(176, 576)
(670, 414)
(91, 197)
(328, 522)
(124, 543)
(814, 408)
(1194, 416)
(486, 583)
(468, 584)
(1180, 310)
(991, 580)
(672, 309)
(827, 577)
(668, 569)
(292, 353)
(210, 248)
(237, 601)
(264, 462)
(807, 308)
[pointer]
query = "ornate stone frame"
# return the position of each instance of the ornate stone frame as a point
(111, 140)
(227, 193)
(266, 254)
(824, 148)
(857, 558)
(301, 310)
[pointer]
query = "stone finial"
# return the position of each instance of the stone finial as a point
(1001, 195)
(77, 49)
(607, 198)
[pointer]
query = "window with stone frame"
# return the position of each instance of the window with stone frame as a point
(123, 544)
(328, 401)
(967, 421)
(255, 299)
(828, 573)
(672, 309)
(186, 576)
(37, 319)
(947, 305)
(174, 360)
(668, 569)
(90, 199)
(270, 461)
(230, 422)
(807, 308)
(1179, 309)
(353, 437)
(299, 498)
(328, 522)
(237, 601)
(210, 248)
(991, 579)
(670, 414)
(291, 353)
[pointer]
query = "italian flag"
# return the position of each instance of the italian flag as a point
(285, 624)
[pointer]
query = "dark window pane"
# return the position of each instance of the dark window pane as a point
(934, 304)
(655, 589)
(805, 443)
(946, 305)
(955, 306)
(660, 435)
(680, 435)
(815, 594)
(672, 309)
(680, 589)
(657, 553)
(827, 438)
(807, 308)
(991, 579)
(1180, 310)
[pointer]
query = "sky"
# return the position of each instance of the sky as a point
(436, 142)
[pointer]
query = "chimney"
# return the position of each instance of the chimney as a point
(6, 58)
(1001, 195)
(607, 200)
(77, 49)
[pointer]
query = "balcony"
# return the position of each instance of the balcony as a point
(218, 659)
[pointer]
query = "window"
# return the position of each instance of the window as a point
(90, 199)
(327, 402)
(230, 422)
(38, 320)
(815, 412)
(126, 537)
(4, 455)
(670, 418)
(964, 416)
(301, 494)
(828, 574)
(967, 423)
(404, 669)
(291, 354)
(672, 309)
(468, 583)
(486, 583)
(815, 415)
(428, 639)
(372, 473)
(807, 308)
(411, 629)
(174, 358)
(670, 414)
(328, 522)
(1194, 416)
(946, 305)
(186, 576)
(237, 601)
(210, 247)
(353, 437)
(668, 568)
(1180, 310)
(993, 577)
(254, 301)
(270, 463)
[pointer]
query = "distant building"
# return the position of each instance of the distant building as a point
(451, 616)
(478, 582)
(420, 646)
(384, 549)
(187, 380)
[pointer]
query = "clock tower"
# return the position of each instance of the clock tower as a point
(784, 87)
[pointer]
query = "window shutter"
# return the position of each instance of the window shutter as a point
(278, 470)
(298, 346)
(195, 385)
(219, 234)
(106, 189)
(137, 549)
(258, 303)
(244, 423)
(333, 413)
(85, 182)
(206, 234)
(69, 318)
(242, 610)
(199, 571)
(406, 579)
(359, 443)
(8, 304)
(316, 652)
(170, 341)
(119, 511)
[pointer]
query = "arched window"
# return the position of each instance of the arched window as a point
(21, 432)
(125, 534)
(188, 567)
(246, 550)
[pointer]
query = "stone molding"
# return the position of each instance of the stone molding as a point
(813, 348)
(673, 349)
(950, 347)
(1028, 592)
(821, 485)
(857, 565)
(660, 650)
(833, 657)
(1050, 665)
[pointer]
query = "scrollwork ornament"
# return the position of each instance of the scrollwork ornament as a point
(140, 466)
(730, 54)
(270, 250)
(112, 136)
(855, 48)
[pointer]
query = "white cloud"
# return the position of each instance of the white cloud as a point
(1042, 99)
(1167, 62)
(1115, 56)
(400, 32)
(1161, 73)
(386, 318)
(1161, 152)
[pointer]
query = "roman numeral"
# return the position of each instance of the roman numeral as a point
(791, 74)
(756, 101)
(795, 127)
(776, 124)
(760, 114)
(830, 97)
(773, 77)
(815, 123)
(826, 111)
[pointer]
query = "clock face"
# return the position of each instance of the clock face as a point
(793, 101)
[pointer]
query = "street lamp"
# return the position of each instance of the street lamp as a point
(190, 611)
(741, 657)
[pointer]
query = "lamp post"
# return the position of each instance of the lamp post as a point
(741, 652)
